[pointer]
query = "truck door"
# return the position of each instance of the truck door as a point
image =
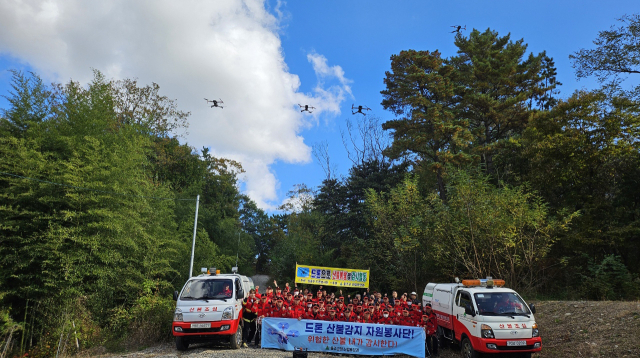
(463, 322)
(239, 298)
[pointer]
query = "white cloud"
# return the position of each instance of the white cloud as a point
(193, 49)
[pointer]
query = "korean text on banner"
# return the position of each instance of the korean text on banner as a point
(329, 276)
(342, 337)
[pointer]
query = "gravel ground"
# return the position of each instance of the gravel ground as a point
(568, 329)
(214, 350)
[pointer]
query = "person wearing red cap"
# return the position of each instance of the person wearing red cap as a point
(366, 317)
(358, 311)
(397, 317)
(406, 319)
(348, 315)
(323, 313)
(371, 309)
(333, 316)
(385, 318)
(339, 306)
(314, 314)
(430, 325)
(377, 312)
(279, 311)
(296, 309)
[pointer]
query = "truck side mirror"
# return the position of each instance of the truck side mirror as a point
(240, 293)
(532, 307)
(175, 295)
(469, 310)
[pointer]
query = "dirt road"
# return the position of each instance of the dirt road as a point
(568, 329)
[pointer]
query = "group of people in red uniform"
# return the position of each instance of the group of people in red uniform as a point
(367, 308)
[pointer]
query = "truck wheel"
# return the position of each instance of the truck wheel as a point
(467, 349)
(182, 344)
(236, 338)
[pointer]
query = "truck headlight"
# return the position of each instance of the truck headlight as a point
(534, 331)
(227, 313)
(486, 331)
(177, 316)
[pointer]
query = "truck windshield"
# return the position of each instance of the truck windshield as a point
(207, 290)
(500, 303)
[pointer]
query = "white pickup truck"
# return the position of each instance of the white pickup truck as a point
(483, 317)
(210, 307)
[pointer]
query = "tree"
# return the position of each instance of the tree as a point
(494, 83)
(481, 230)
(420, 87)
(145, 108)
(617, 52)
(30, 103)
(584, 155)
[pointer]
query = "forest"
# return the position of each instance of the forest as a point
(483, 170)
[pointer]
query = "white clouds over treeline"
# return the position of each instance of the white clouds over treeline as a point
(192, 49)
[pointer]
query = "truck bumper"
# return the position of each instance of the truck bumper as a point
(500, 345)
(226, 327)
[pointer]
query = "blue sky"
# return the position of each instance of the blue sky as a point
(360, 36)
(253, 52)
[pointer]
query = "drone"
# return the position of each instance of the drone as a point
(458, 28)
(359, 109)
(215, 103)
(306, 108)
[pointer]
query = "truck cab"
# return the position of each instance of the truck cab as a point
(483, 317)
(208, 307)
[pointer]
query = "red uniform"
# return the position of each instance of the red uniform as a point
(296, 311)
(366, 320)
(383, 320)
(334, 318)
(315, 316)
(279, 312)
(430, 325)
(407, 321)
(262, 309)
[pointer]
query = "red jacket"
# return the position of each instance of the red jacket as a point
(311, 315)
(407, 321)
(430, 325)
(279, 313)
(296, 311)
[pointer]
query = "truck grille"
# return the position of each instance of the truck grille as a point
(200, 330)
(515, 348)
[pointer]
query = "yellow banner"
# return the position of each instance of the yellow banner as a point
(329, 276)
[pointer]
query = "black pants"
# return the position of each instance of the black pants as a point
(258, 334)
(248, 331)
(432, 346)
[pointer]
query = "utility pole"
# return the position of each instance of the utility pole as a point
(193, 245)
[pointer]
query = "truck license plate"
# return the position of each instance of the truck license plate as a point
(516, 343)
(207, 325)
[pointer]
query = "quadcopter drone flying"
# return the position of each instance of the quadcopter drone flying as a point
(359, 109)
(215, 103)
(306, 108)
(458, 28)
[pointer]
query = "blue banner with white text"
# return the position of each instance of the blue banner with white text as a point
(342, 337)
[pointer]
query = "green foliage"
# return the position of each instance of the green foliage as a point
(495, 82)
(617, 52)
(481, 230)
(87, 256)
(610, 280)
(421, 87)
(147, 321)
